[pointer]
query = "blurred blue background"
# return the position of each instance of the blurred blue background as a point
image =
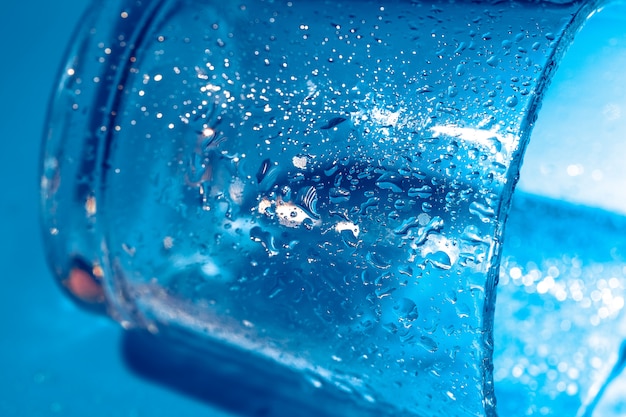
(58, 360)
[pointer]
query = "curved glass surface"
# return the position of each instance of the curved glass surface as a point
(314, 190)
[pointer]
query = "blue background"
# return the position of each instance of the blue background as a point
(54, 358)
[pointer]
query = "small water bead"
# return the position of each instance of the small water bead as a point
(493, 61)
(512, 101)
(401, 204)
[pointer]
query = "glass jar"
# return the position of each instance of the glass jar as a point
(314, 190)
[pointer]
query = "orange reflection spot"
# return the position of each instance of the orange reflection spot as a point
(83, 285)
(97, 271)
(90, 206)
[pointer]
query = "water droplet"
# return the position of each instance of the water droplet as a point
(420, 192)
(389, 186)
(406, 225)
(314, 381)
(405, 309)
(331, 170)
(286, 192)
(472, 234)
(265, 166)
(333, 122)
(427, 343)
(366, 277)
(405, 270)
(462, 310)
(265, 239)
(377, 261)
(511, 101)
(338, 195)
(267, 175)
(384, 287)
(391, 327)
(349, 238)
(484, 212)
(307, 199)
(369, 204)
(400, 204)
(440, 259)
(434, 225)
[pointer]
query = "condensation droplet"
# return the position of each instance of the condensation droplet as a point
(428, 344)
(421, 192)
(265, 239)
(484, 212)
(440, 259)
(511, 101)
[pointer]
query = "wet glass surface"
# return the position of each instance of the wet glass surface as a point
(309, 210)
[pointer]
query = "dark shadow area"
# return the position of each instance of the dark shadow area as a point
(246, 385)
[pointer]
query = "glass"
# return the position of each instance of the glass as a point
(313, 190)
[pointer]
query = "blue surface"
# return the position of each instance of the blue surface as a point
(54, 358)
